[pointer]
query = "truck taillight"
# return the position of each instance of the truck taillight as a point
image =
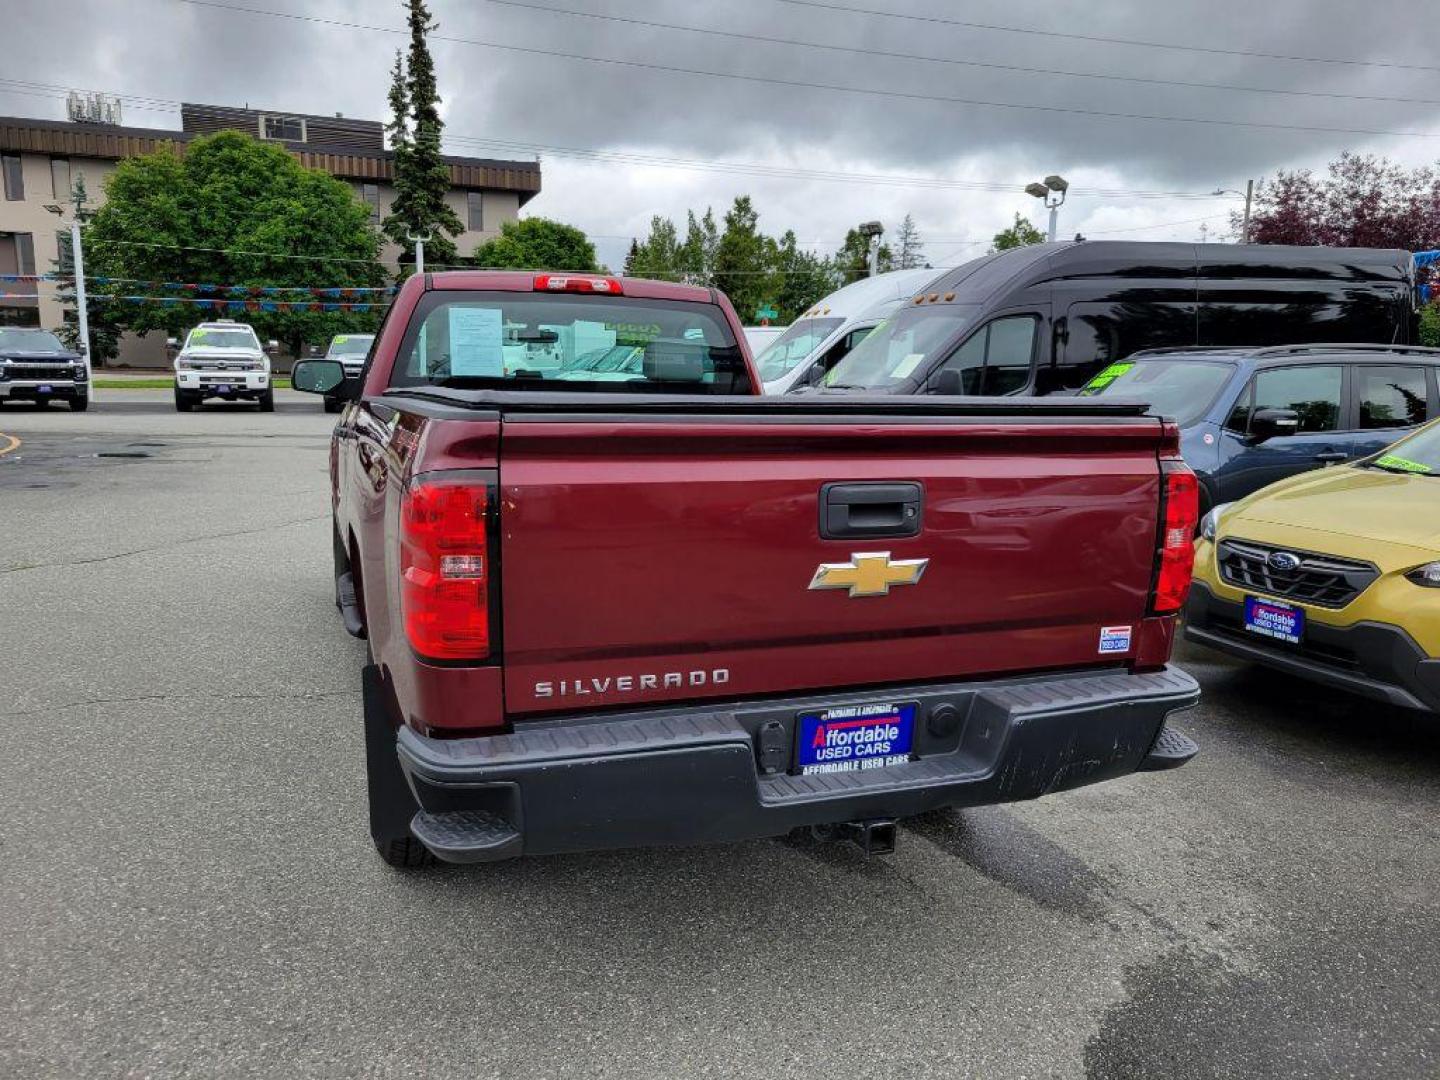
(445, 568)
(1175, 560)
(574, 283)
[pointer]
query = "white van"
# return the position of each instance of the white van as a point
(815, 342)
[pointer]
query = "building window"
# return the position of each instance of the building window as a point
(370, 196)
(25, 252)
(283, 128)
(14, 177)
(475, 204)
(60, 178)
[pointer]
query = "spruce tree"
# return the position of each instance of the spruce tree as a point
(422, 178)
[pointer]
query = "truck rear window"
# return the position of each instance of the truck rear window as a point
(566, 343)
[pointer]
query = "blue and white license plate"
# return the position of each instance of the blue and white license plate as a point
(222, 388)
(1272, 619)
(849, 738)
(44, 389)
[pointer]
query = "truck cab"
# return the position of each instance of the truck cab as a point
(222, 359)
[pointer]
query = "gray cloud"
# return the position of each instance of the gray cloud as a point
(165, 49)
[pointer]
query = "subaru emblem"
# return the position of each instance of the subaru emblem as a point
(1283, 560)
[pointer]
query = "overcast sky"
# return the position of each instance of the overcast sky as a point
(159, 52)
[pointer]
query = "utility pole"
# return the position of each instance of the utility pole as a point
(872, 231)
(1245, 224)
(1051, 191)
(419, 242)
(78, 256)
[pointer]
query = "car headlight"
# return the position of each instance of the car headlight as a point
(79, 372)
(1210, 525)
(1427, 575)
(183, 364)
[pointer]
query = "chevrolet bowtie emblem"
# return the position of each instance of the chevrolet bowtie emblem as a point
(869, 573)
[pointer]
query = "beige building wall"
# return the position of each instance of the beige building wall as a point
(30, 216)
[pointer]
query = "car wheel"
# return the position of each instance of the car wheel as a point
(392, 804)
(183, 401)
(79, 404)
(267, 401)
(406, 854)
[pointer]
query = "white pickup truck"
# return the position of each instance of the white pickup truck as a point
(223, 359)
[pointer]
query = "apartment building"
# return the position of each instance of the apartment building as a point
(39, 160)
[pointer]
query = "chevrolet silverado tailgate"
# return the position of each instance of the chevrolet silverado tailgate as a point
(650, 556)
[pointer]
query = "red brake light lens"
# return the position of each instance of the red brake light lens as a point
(445, 569)
(571, 283)
(1176, 562)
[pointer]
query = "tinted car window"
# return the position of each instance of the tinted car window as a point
(1099, 334)
(1390, 396)
(995, 360)
(1312, 391)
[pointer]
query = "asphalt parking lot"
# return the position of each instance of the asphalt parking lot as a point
(189, 887)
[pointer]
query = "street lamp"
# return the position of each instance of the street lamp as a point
(1051, 191)
(872, 231)
(77, 258)
(1247, 193)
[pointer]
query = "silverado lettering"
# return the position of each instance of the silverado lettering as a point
(625, 683)
(588, 587)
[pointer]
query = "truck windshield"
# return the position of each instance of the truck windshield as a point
(541, 341)
(1419, 454)
(1183, 388)
(798, 342)
(15, 340)
(203, 338)
(349, 345)
(899, 347)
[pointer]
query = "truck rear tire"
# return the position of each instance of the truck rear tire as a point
(79, 404)
(267, 401)
(391, 803)
(183, 401)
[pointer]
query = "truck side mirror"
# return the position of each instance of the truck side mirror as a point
(1269, 423)
(947, 381)
(323, 377)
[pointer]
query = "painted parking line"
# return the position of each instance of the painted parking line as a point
(11, 443)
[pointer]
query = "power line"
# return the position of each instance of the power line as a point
(753, 169)
(902, 95)
(767, 39)
(942, 20)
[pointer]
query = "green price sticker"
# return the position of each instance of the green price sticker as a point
(1395, 461)
(1106, 377)
(341, 339)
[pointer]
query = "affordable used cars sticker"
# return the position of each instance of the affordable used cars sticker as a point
(1395, 461)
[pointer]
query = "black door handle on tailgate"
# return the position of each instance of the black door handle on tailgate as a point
(865, 511)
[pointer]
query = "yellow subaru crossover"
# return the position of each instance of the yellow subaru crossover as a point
(1333, 575)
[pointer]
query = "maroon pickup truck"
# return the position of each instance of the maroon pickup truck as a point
(613, 597)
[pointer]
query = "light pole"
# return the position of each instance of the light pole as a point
(419, 242)
(1051, 191)
(872, 231)
(82, 311)
(1248, 193)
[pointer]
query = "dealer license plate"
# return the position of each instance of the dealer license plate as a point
(1272, 619)
(849, 738)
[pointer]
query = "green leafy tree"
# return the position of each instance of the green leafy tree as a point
(104, 330)
(909, 248)
(659, 256)
(745, 260)
(233, 211)
(697, 254)
(1430, 325)
(802, 279)
(422, 178)
(538, 244)
(852, 261)
(1021, 234)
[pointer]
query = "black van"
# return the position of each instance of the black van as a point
(1044, 319)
